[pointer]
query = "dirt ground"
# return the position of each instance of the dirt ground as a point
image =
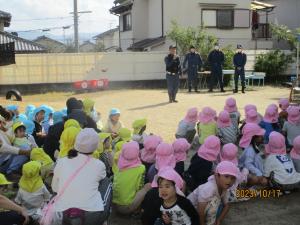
(163, 119)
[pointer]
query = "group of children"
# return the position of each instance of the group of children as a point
(151, 176)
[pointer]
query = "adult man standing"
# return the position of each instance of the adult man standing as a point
(239, 61)
(216, 60)
(173, 70)
(194, 62)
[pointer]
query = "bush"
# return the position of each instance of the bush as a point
(273, 63)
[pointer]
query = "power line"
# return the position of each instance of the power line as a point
(44, 29)
(39, 19)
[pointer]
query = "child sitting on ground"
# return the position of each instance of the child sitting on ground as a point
(251, 157)
(47, 164)
(113, 124)
(67, 140)
(229, 153)
(175, 209)
(4, 183)
(270, 122)
(149, 151)
(226, 130)
(207, 125)
(21, 138)
(164, 157)
(283, 115)
(39, 133)
(104, 152)
(231, 108)
(186, 127)
(208, 198)
(295, 153)
(279, 168)
(32, 193)
(291, 128)
(128, 185)
(139, 126)
(181, 147)
(202, 163)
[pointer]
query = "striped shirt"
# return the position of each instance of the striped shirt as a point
(227, 135)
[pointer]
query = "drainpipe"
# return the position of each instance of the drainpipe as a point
(162, 18)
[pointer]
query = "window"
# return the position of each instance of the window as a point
(127, 22)
(209, 18)
(225, 18)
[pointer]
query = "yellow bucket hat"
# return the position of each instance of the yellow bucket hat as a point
(88, 105)
(125, 134)
(38, 154)
(71, 123)
(67, 140)
(137, 125)
(31, 181)
(18, 124)
(100, 150)
(3, 180)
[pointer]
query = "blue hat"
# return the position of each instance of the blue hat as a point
(64, 111)
(29, 109)
(57, 117)
(12, 107)
(21, 117)
(114, 111)
(29, 126)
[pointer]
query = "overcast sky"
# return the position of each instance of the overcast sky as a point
(39, 14)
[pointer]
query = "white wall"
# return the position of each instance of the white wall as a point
(154, 21)
(140, 19)
(67, 68)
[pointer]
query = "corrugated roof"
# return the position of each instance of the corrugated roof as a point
(149, 42)
(21, 45)
(109, 32)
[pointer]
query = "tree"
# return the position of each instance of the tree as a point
(70, 47)
(283, 33)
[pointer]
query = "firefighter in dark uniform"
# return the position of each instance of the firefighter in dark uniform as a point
(173, 70)
(216, 60)
(194, 62)
(239, 61)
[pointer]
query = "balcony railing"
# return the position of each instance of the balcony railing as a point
(262, 30)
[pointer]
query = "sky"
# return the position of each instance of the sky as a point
(42, 14)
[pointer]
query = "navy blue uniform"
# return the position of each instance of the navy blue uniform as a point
(216, 60)
(173, 70)
(239, 61)
(194, 62)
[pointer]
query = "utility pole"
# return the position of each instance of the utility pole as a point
(76, 41)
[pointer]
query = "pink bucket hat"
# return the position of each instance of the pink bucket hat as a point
(249, 107)
(227, 168)
(271, 114)
(207, 115)
(295, 153)
(164, 156)
(276, 144)
(210, 149)
(249, 131)
(284, 103)
(129, 157)
(252, 116)
(293, 114)
(170, 174)
(191, 115)
(150, 144)
(180, 146)
(230, 105)
(229, 153)
(224, 120)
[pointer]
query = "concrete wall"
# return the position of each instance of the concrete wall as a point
(67, 68)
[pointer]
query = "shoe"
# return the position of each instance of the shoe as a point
(175, 101)
(189, 91)
(210, 91)
(223, 91)
(243, 92)
(235, 91)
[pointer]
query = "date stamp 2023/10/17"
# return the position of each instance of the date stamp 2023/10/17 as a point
(260, 193)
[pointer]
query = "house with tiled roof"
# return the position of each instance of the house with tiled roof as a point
(108, 39)
(50, 44)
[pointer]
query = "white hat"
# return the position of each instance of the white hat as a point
(87, 141)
